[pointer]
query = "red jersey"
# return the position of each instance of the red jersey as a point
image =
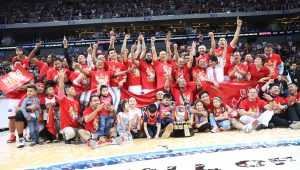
(147, 75)
(100, 77)
(90, 125)
(69, 111)
(280, 100)
(183, 72)
(272, 63)
(253, 106)
(241, 67)
(115, 66)
(199, 74)
(257, 74)
(152, 118)
(134, 76)
(188, 94)
(163, 73)
(24, 62)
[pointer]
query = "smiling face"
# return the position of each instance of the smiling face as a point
(222, 42)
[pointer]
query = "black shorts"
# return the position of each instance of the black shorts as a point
(20, 118)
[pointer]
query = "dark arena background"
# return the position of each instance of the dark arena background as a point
(150, 84)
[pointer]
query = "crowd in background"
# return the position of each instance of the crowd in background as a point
(60, 10)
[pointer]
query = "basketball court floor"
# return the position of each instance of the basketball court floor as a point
(266, 149)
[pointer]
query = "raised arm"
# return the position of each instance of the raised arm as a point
(138, 48)
(235, 39)
(61, 84)
(153, 49)
(66, 53)
(168, 45)
(35, 50)
(144, 48)
(112, 39)
(124, 45)
(212, 43)
(176, 53)
(89, 57)
(94, 53)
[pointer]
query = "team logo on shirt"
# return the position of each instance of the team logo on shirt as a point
(167, 70)
(102, 80)
(150, 74)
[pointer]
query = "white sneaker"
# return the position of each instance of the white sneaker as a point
(21, 143)
(295, 125)
(247, 128)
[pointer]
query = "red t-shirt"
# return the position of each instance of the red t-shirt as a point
(257, 74)
(134, 76)
(163, 72)
(52, 74)
(147, 75)
(272, 63)
(25, 61)
(254, 106)
(90, 125)
(100, 77)
(198, 73)
(69, 111)
(115, 66)
(280, 100)
(242, 67)
(183, 72)
(188, 94)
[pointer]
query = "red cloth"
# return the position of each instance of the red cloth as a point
(51, 121)
(258, 74)
(163, 72)
(253, 106)
(90, 125)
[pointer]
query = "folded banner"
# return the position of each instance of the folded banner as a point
(230, 92)
(142, 100)
(14, 80)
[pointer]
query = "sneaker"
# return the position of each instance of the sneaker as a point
(260, 127)
(247, 128)
(295, 125)
(32, 143)
(167, 132)
(11, 139)
(271, 125)
(92, 144)
(21, 143)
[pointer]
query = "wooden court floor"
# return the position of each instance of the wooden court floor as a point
(14, 158)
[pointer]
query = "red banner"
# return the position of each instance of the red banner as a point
(14, 80)
(230, 92)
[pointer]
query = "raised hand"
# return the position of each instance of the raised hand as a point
(239, 22)
(65, 42)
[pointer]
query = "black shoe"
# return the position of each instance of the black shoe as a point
(260, 127)
(67, 141)
(271, 125)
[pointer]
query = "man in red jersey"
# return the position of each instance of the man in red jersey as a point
(91, 119)
(237, 70)
(69, 109)
(273, 61)
(162, 66)
(252, 111)
(225, 60)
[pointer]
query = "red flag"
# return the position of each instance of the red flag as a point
(142, 100)
(15, 79)
(51, 121)
(230, 92)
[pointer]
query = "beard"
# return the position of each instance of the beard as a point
(148, 60)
